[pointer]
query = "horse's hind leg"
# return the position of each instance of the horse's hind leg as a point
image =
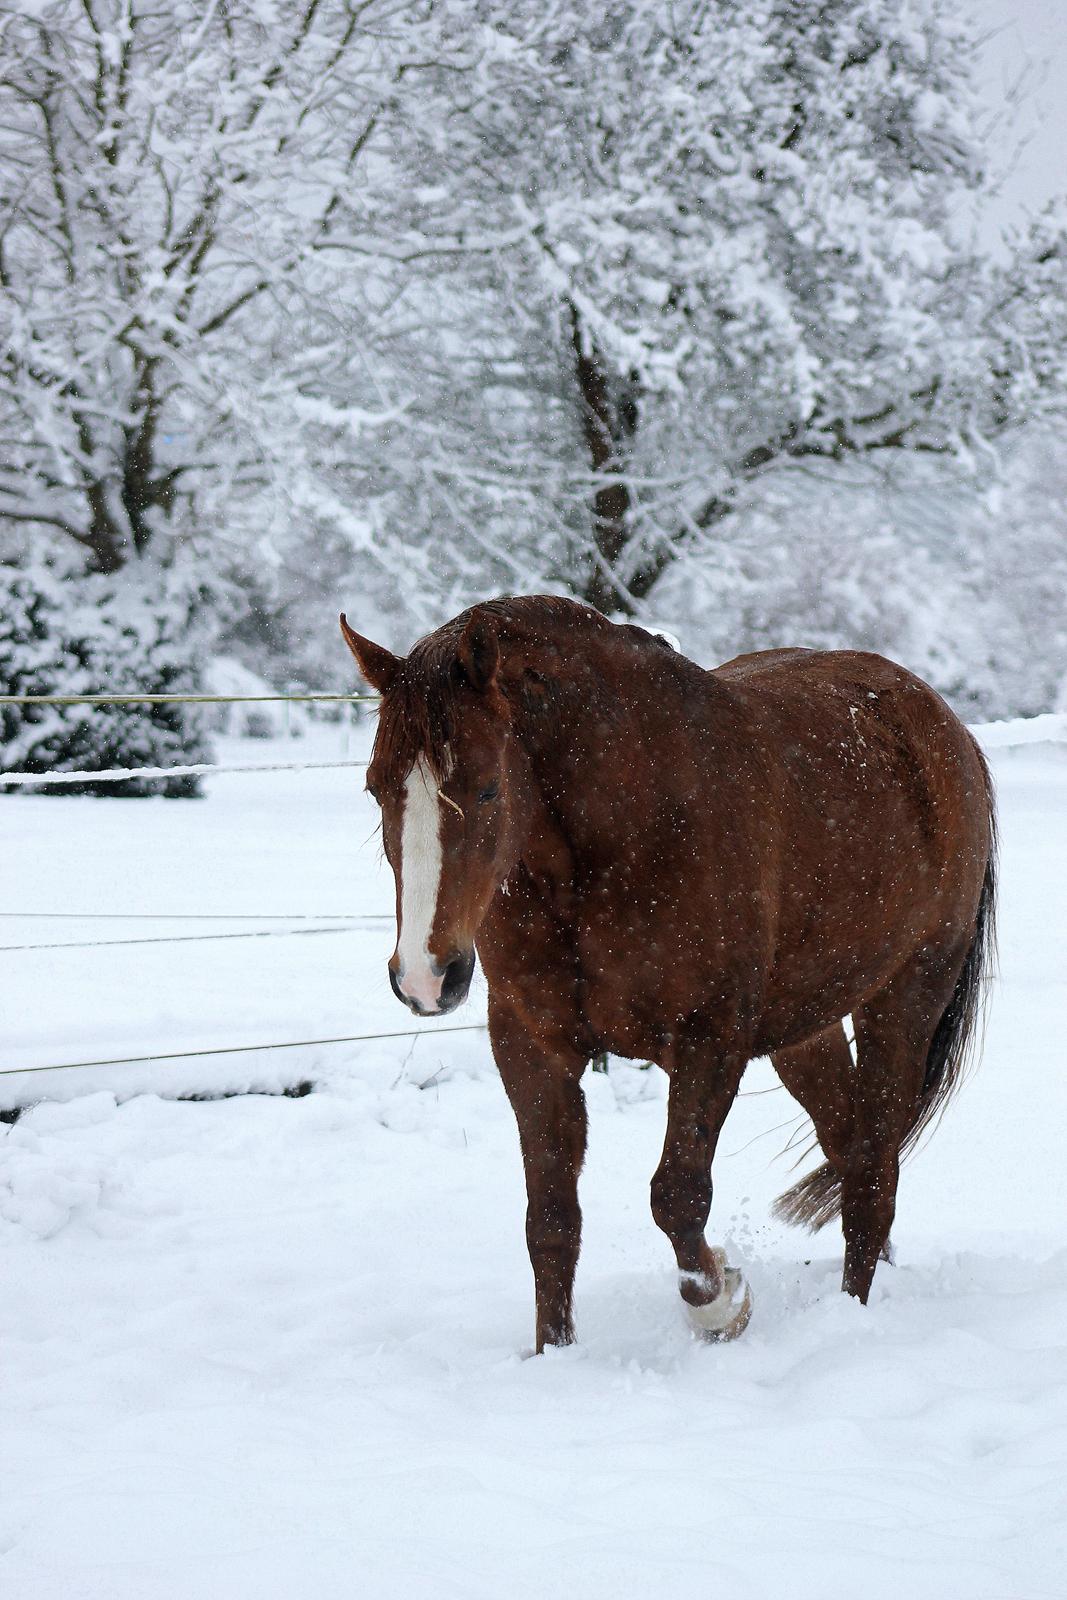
(894, 1032)
(820, 1075)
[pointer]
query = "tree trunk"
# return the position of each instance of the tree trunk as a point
(610, 417)
(609, 422)
(119, 526)
(103, 540)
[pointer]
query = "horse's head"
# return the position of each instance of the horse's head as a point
(452, 783)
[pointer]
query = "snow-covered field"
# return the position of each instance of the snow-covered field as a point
(274, 1348)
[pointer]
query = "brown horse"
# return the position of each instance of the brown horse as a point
(692, 868)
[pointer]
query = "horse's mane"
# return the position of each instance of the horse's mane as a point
(419, 713)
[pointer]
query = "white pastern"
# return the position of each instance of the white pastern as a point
(727, 1315)
(420, 879)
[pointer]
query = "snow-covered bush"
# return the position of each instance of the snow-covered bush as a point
(140, 632)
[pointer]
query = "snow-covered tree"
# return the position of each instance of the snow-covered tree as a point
(1027, 320)
(191, 356)
(693, 242)
(405, 301)
(170, 177)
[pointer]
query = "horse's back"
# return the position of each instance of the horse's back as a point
(761, 661)
(797, 670)
(823, 690)
(857, 713)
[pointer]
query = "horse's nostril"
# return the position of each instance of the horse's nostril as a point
(457, 979)
(394, 984)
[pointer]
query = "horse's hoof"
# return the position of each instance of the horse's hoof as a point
(727, 1315)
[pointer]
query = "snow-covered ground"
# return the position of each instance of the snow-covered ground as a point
(274, 1348)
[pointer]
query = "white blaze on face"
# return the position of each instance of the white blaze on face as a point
(420, 881)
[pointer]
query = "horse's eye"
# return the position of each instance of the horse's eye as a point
(374, 795)
(490, 792)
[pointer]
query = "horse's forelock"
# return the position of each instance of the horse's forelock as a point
(419, 715)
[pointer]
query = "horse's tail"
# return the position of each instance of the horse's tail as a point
(950, 1048)
(816, 1199)
(813, 1202)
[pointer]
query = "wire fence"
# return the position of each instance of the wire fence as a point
(185, 699)
(197, 916)
(1051, 728)
(178, 938)
(333, 925)
(201, 769)
(247, 1049)
(350, 924)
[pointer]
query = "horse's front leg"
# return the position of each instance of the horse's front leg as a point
(542, 1077)
(705, 1076)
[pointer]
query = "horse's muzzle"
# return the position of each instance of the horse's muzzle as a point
(455, 976)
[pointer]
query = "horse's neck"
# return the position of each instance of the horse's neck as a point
(597, 744)
(548, 852)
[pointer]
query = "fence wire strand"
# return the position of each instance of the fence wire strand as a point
(183, 938)
(199, 916)
(203, 769)
(246, 1049)
(185, 699)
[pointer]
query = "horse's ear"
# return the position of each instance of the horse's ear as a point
(378, 665)
(478, 654)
